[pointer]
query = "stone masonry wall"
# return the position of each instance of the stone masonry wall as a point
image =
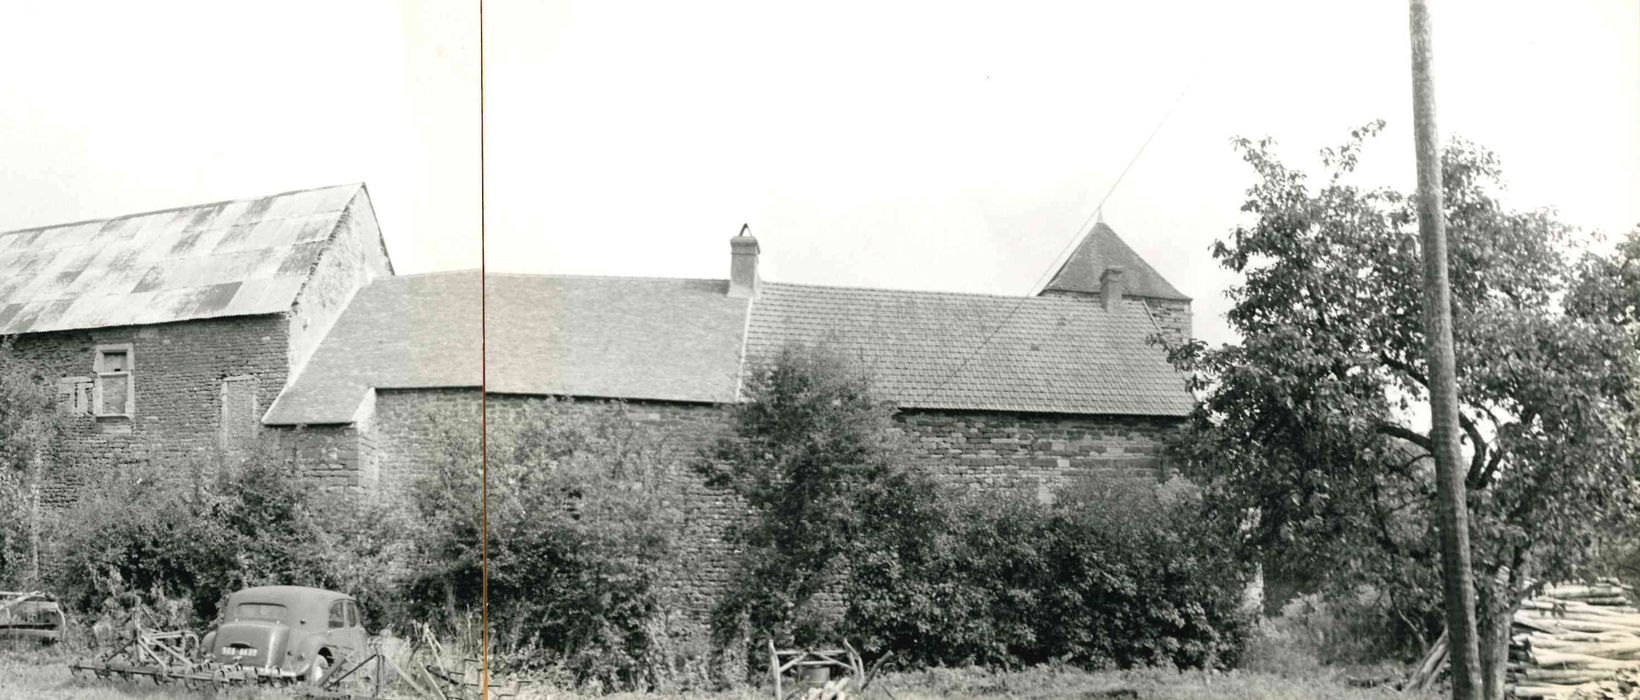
(404, 432)
(978, 451)
(1039, 453)
(177, 377)
(333, 456)
(1173, 317)
(681, 432)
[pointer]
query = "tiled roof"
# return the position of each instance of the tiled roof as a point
(928, 349)
(234, 258)
(682, 340)
(611, 337)
(614, 337)
(414, 331)
(1101, 248)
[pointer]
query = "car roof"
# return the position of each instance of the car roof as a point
(284, 594)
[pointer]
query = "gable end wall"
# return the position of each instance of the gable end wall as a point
(177, 380)
(353, 258)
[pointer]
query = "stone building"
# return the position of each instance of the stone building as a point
(995, 392)
(169, 333)
(188, 329)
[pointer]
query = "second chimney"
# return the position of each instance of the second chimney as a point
(1111, 287)
(743, 252)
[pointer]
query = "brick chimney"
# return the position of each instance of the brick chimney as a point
(743, 250)
(1111, 286)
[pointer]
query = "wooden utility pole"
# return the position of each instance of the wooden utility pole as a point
(1457, 574)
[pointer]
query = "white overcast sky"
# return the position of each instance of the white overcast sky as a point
(959, 146)
(110, 108)
(952, 146)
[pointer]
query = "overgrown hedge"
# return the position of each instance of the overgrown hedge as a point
(843, 542)
(583, 525)
(183, 536)
(1122, 574)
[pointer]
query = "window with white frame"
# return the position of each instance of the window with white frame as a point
(113, 393)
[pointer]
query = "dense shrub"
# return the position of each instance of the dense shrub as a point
(446, 565)
(582, 529)
(1118, 573)
(842, 542)
(199, 530)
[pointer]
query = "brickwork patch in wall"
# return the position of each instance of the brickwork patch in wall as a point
(241, 415)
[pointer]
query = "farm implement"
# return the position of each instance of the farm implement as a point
(175, 657)
(30, 616)
(166, 657)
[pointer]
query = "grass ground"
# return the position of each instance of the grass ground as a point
(38, 674)
(45, 675)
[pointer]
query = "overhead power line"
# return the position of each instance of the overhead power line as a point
(1036, 287)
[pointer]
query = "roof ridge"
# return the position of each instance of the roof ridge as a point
(938, 292)
(559, 275)
(429, 273)
(166, 210)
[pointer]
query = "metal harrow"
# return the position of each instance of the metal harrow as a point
(173, 657)
(162, 656)
(32, 615)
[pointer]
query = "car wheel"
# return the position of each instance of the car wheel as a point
(318, 669)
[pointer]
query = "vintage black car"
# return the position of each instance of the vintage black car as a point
(291, 630)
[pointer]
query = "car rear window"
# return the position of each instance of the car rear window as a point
(260, 611)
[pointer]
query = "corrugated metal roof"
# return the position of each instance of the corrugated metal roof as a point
(235, 258)
(414, 331)
(1101, 248)
(929, 349)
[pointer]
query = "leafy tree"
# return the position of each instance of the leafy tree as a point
(1305, 436)
(810, 449)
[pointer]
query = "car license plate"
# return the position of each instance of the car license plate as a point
(238, 651)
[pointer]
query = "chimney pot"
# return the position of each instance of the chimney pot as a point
(1112, 286)
(743, 252)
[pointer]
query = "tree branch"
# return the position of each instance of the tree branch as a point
(1484, 478)
(1407, 434)
(1405, 369)
(1477, 460)
(1491, 470)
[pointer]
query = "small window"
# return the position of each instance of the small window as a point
(352, 614)
(260, 611)
(112, 394)
(338, 616)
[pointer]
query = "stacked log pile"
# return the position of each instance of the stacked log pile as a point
(1576, 641)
